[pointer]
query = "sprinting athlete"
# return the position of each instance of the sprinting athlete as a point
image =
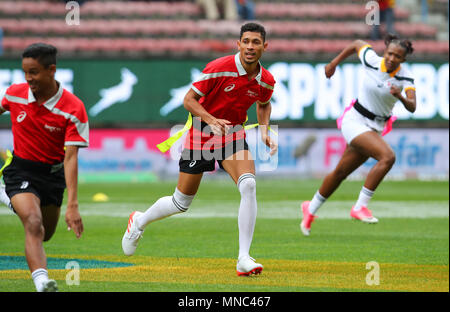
(49, 124)
(220, 98)
(365, 121)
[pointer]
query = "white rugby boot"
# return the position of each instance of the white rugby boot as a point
(49, 286)
(246, 266)
(132, 235)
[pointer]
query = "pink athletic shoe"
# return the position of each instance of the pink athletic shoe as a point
(308, 218)
(364, 215)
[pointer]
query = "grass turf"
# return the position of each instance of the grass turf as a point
(198, 253)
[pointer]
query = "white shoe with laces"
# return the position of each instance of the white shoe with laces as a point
(246, 266)
(132, 235)
(49, 286)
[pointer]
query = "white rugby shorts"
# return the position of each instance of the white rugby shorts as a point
(354, 124)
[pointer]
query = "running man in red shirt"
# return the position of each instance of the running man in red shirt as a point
(49, 124)
(219, 101)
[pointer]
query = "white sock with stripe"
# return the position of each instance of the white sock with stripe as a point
(364, 197)
(39, 277)
(247, 212)
(316, 202)
(165, 207)
(3, 197)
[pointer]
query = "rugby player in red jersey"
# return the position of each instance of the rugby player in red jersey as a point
(49, 124)
(220, 99)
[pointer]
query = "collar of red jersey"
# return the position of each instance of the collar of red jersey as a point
(50, 103)
(241, 69)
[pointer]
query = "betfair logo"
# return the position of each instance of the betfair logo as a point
(52, 129)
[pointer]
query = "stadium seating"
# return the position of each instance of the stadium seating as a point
(202, 28)
(307, 27)
(166, 10)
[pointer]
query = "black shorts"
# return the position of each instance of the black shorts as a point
(43, 180)
(196, 161)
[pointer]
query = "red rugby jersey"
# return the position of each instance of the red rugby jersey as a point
(40, 132)
(228, 94)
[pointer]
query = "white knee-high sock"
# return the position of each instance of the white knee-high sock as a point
(317, 201)
(364, 197)
(3, 197)
(39, 276)
(165, 207)
(247, 212)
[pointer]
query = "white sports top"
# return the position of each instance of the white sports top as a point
(374, 92)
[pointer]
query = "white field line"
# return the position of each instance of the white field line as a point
(274, 209)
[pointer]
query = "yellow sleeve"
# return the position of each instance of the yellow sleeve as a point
(362, 48)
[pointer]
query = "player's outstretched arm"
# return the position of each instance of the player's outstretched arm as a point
(352, 48)
(73, 218)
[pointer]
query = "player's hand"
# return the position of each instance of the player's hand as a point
(395, 91)
(329, 70)
(73, 220)
(270, 143)
(219, 126)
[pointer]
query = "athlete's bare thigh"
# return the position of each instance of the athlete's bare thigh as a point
(372, 144)
(189, 183)
(239, 163)
(27, 205)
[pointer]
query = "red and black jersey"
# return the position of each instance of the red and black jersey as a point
(40, 132)
(227, 93)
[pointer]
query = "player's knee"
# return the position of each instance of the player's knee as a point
(182, 201)
(247, 184)
(33, 225)
(390, 159)
(386, 161)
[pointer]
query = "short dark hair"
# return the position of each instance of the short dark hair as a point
(44, 53)
(404, 43)
(253, 27)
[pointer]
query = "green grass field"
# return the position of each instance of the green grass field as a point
(197, 251)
